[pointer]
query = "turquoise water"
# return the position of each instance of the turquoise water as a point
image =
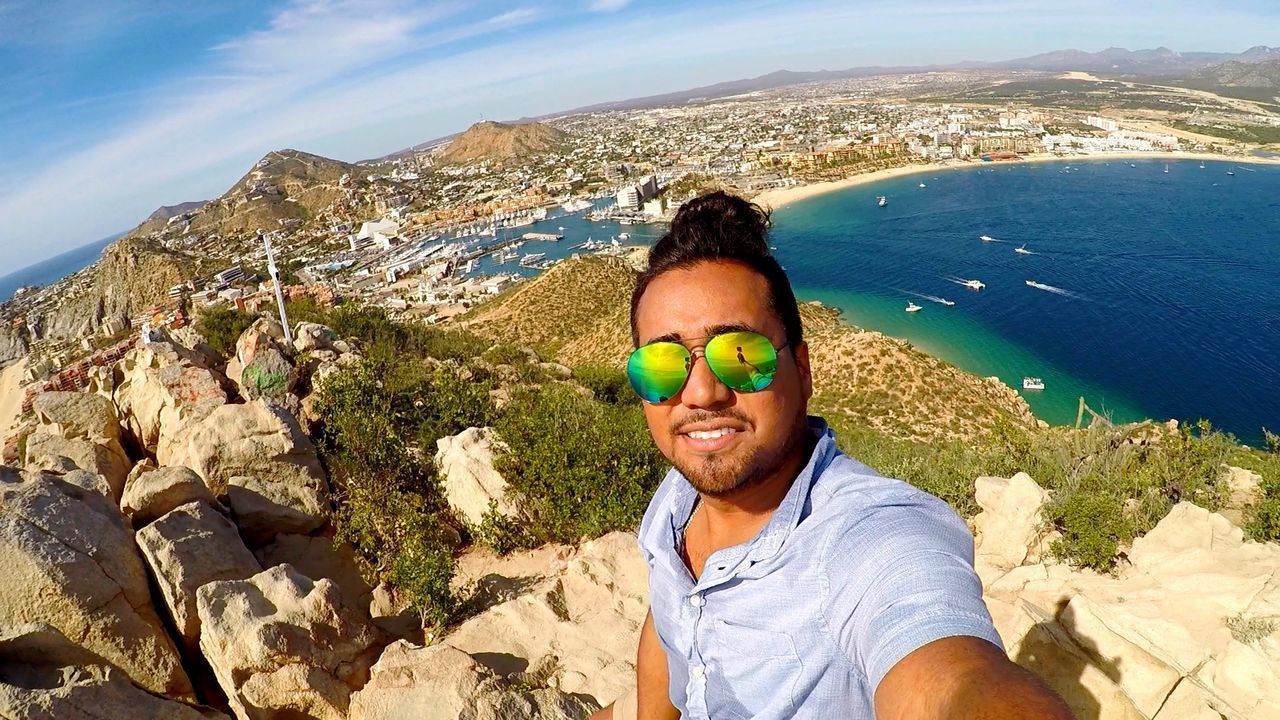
(51, 270)
(1164, 296)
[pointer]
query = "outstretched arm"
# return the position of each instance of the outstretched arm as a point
(964, 678)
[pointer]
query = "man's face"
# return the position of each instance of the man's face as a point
(767, 426)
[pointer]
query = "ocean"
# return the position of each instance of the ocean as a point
(1158, 296)
(55, 268)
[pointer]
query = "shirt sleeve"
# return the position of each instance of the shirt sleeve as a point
(899, 578)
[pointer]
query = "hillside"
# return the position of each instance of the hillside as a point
(1265, 74)
(501, 141)
(579, 313)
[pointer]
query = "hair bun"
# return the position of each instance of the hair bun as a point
(726, 217)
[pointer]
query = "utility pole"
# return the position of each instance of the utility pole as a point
(275, 279)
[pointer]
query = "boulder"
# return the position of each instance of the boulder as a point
(282, 645)
(312, 336)
(159, 388)
(320, 557)
(442, 683)
(287, 491)
(151, 492)
(261, 367)
(584, 619)
(1010, 523)
(1246, 490)
(470, 481)
(190, 546)
(82, 428)
(70, 562)
(43, 675)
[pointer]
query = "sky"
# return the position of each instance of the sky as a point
(112, 108)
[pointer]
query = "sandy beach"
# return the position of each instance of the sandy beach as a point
(781, 197)
(11, 396)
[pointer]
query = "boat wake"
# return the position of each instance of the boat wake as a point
(1055, 290)
(930, 298)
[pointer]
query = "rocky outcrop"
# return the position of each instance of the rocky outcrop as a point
(309, 337)
(160, 387)
(282, 645)
(320, 557)
(261, 367)
(470, 481)
(257, 455)
(81, 428)
(583, 620)
(13, 343)
(190, 546)
(44, 676)
(1010, 524)
(150, 492)
(1185, 629)
(442, 683)
(70, 562)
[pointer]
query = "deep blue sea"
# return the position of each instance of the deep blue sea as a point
(53, 269)
(1162, 290)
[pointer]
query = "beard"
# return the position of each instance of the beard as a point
(721, 475)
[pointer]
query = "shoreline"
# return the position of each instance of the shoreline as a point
(777, 198)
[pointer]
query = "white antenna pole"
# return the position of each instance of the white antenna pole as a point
(275, 279)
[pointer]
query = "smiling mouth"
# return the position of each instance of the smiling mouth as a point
(710, 434)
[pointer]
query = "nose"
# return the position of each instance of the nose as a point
(703, 389)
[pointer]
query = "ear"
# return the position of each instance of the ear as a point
(801, 354)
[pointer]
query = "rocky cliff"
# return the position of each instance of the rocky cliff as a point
(502, 141)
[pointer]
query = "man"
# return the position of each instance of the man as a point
(786, 579)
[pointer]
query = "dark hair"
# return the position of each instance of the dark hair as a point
(720, 226)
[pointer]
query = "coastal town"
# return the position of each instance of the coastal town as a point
(430, 231)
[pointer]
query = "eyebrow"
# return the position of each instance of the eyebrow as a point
(709, 331)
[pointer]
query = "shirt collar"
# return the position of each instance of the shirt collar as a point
(787, 516)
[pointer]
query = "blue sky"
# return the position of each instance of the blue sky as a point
(111, 108)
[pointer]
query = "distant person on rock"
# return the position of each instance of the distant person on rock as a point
(786, 579)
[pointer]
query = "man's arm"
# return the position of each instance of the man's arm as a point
(964, 678)
(652, 699)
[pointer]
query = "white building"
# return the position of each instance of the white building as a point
(383, 233)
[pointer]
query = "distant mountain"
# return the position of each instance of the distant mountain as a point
(1264, 74)
(503, 141)
(1119, 61)
(165, 212)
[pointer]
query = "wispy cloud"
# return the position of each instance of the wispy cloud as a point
(607, 5)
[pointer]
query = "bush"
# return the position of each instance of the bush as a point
(387, 339)
(500, 533)
(577, 467)
(1264, 520)
(222, 325)
(609, 385)
(1092, 525)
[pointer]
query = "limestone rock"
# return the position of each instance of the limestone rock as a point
(82, 428)
(43, 675)
(69, 561)
(288, 492)
(470, 480)
(441, 683)
(586, 616)
(77, 415)
(151, 492)
(46, 451)
(282, 645)
(162, 386)
(1246, 490)
(320, 557)
(312, 336)
(192, 545)
(1010, 522)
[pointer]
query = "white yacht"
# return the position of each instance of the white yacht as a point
(922, 185)
(882, 200)
(1022, 250)
(974, 284)
(912, 307)
(577, 205)
(985, 238)
(947, 302)
(1032, 383)
(531, 259)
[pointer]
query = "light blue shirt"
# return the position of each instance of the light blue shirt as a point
(852, 572)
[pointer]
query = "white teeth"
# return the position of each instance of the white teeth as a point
(710, 434)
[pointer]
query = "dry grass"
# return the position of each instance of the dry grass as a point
(578, 313)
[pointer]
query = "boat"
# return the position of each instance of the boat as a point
(974, 284)
(574, 206)
(912, 307)
(1201, 166)
(1166, 168)
(882, 200)
(531, 259)
(1132, 165)
(1032, 383)
(947, 302)
(1022, 250)
(985, 238)
(1231, 172)
(624, 236)
(922, 184)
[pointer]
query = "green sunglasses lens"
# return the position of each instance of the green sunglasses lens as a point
(744, 361)
(658, 370)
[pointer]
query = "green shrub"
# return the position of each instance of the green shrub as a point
(609, 385)
(387, 339)
(577, 467)
(222, 325)
(499, 532)
(1092, 525)
(504, 354)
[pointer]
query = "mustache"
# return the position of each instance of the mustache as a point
(699, 416)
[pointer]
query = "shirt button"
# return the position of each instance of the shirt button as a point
(697, 671)
(695, 600)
